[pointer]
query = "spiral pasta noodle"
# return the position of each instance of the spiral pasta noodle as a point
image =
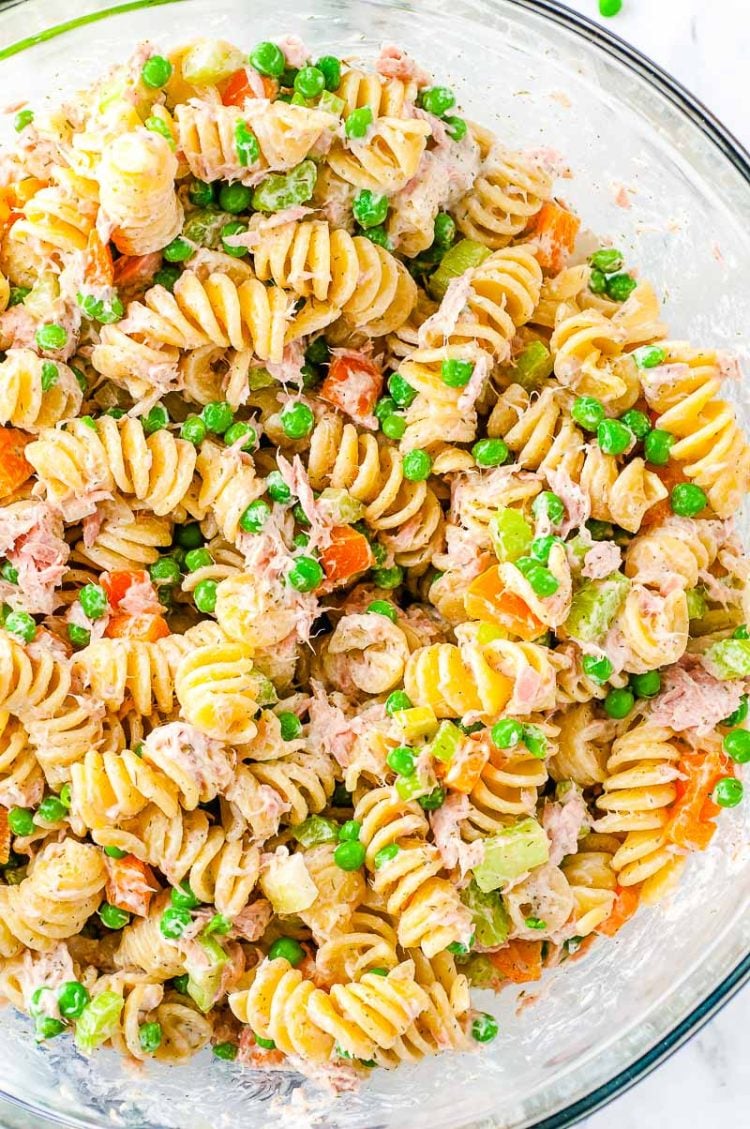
(136, 190)
(36, 394)
(509, 190)
(21, 781)
(385, 161)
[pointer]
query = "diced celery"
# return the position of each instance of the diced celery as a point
(410, 787)
(696, 602)
(316, 829)
(446, 741)
(729, 659)
(264, 690)
(490, 921)
(279, 191)
(340, 504)
(510, 853)
(204, 980)
(287, 884)
(511, 534)
(459, 258)
(331, 103)
(209, 61)
(488, 633)
(416, 722)
(98, 1021)
(44, 293)
(204, 227)
(480, 971)
(533, 366)
(594, 606)
(259, 378)
(577, 547)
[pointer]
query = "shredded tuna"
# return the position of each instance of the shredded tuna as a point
(141, 598)
(295, 52)
(563, 822)
(393, 62)
(321, 523)
(255, 82)
(330, 728)
(289, 369)
(603, 558)
(476, 385)
(199, 764)
(446, 830)
(45, 970)
(31, 538)
(691, 698)
(252, 922)
(574, 498)
(445, 318)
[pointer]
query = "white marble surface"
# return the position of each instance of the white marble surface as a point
(706, 45)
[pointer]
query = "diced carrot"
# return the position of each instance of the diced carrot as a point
(463, 771)
(671, 475)
(4, 837)
(487, 599)
(555, 230)
(692, 815)
(353, 385)
(136, 270)
(98, 269)
(519, 961)
(130, 884)
(14, 467)
(117, 583)
(147, 628)
(625, 905)
(238, 88)
(348, 554)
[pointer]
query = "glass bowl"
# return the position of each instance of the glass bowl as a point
(541, 76)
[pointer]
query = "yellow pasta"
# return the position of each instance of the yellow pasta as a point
(137, 193)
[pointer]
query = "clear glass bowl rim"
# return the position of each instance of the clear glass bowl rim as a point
(736, 153)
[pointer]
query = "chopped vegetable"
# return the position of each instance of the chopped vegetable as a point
(353, 385)
(691, 824)
(14, 469)
(519, 961)
(462, 256)
(511, 534)
(130, 884)
(510, 853)
(594, 607)
(98, 1021)
(487, 598)
(555, 230)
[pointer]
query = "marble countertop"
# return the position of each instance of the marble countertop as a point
(706, 45)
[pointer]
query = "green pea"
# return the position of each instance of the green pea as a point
(9, 572)
(197, 559)
(181, 983)
(484, 1027)
(217, 416)
(370, 208)
(597, 282)
(456, 373)
(204, 596)
(268, 59)
(239, 431)
(598, 669)
(728, 792)
(93, 600)
(21, 624)
(20, 821)
(350, 831)
(613, 437)
(638, 422)
(378, 235)
(401, 760)
(234, 227)
(620, 286)
(51, 810)
(194, 430)
(541, 547)
(299, 515)
(235, 198)
(444, 230)
(289, 949)
(416, 466)
(387, 577)
(165, 571)
(50, 375)
(22, 119)
(358, 123)
(47, 1028)
(548, 505)
(247, 148)
(227, 1052)
(506, 734)
(393, 426)
(277, 489)
(115, 852)
(112, 916)
(535, 923)
(385, 854)
(72, 999)
(18, 295)
(398, 700)
(609, 8)
(297, 420)
(349, 856)
(382, 607)
(657, 445)
(607, 259)
(739, 715)
(401, 391)
(156, 419)
(300, 540)
(456, 127)
(51, 336)
(218, 924)
(588, 412)
(309, 82)
(619, 703)
(149, 1036)
(490, 452)
(330, 67)
(437, 100)
(156, 71)
(178, 251)
(305, 574)
(78, 636)
(535, 741)
(687, 499)
(318, 352)
(433, 800)
(741, 632)
(736, 744)
(543, 582)
(255, 516)
(167, 276)
(646, 685)
(174, 921)
(290, 724)
(379, 553)
(188, 536)
(201, 193)
(158, 125)
(183, 897)
(649, 356)
(288, 76)
(264, 1044)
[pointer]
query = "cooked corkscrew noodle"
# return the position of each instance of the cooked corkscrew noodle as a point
(373, 620)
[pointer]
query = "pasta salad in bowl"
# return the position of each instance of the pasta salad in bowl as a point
(374, 610)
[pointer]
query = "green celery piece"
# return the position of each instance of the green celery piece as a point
(259, 378)
(533, 366)
(459, 258)
(510, 853)
(316, 830)
(696, 602)
(446, 741)
(728, 659)
(594, 606)
(410, 787)
(331, 103)
(98, 1021)
(278, 191)
(204, 980)
(341, 505)
(265, 691)
(204, 227)
(511, 534)
(490, 922)
(480, 971)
